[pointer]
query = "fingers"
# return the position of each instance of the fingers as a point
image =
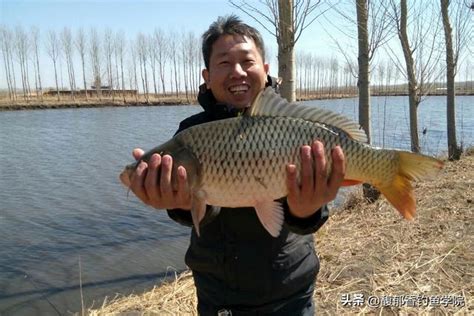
(291, 180)
(315, 188)
(183, 195)
(150, 183)
(320, 171)
(307, 172)
(137, 180)
(338, 171)
(137, 153)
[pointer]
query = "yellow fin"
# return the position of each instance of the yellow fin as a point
(269, 103)
(400, 191)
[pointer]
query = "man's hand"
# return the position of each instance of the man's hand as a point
(315, 189)
(159, 193)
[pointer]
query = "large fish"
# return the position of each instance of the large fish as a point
(241, 161)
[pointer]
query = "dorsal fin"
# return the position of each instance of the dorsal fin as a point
(269, 103)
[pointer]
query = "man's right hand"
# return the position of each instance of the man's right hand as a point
(159, 193)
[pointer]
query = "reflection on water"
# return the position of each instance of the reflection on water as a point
(65, 218)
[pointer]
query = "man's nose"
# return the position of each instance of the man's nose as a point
(237, 71)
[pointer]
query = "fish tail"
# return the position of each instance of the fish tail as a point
(400, 191)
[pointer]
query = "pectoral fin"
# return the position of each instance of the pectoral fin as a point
(270, 214)
(198, 209)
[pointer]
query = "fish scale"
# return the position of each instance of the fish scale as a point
(241, 161)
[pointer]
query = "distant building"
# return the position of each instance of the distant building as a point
(104, 90)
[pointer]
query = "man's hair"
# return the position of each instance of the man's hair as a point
(229, 25)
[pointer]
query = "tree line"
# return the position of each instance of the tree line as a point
(94, 62)
(160, 63)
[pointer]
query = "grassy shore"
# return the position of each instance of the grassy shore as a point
(368, 249)
(66, 102)
(51, 102)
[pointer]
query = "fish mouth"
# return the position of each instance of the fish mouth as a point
(239, 89)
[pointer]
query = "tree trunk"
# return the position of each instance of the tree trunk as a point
(363, 82)
(286, 54)
(454, 151)
(413, 92)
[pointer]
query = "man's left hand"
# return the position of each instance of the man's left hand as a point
(315, 188)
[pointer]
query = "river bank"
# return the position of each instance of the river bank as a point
(368, 252)
(70, 104)
(80, 102)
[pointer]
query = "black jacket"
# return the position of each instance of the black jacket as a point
(235, 262)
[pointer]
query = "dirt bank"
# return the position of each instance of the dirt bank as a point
(372, 261)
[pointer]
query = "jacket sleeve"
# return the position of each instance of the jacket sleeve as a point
(304, 226)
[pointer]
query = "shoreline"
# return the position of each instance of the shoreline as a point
(368, 249)
(6, 105)
(48, 105)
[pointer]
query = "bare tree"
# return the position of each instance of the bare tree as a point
(133, 69)
(109, 51)
(94, 53)
(142, 49)
(35, 39)
(373, 28)
(22, 50)
(6, 48)
(119, 56)
(454, 46)
(161, 48)
(80, 43)
(153, 60)
(173, 49)
(418, 32)
(288, 19)
(52, 47)
(67, 45)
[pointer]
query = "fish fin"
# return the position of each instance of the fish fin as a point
(349, 182)
(270, 214)
(417, 166)
(198, 209)
(411, 167)
(269, 103)
(400, 195)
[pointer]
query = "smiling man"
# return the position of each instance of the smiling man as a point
(238, 268)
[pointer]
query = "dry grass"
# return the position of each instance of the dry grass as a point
(367, 249)
(51, 102)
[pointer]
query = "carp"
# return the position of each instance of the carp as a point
(241, 161)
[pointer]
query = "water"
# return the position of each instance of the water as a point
(66, 219)
(61, 204)
(390, 121)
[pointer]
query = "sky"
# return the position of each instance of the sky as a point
(134, 16)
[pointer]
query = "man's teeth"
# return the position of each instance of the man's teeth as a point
(238, 89)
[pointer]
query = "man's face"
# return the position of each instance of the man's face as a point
(236, 71)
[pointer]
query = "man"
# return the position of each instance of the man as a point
(238, 268)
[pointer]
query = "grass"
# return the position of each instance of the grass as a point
(368, 249)
(51, 102)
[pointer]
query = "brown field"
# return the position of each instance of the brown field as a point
(367, 249)
(51, 102)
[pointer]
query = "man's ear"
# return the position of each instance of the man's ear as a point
(266, 67)
(205, 76)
